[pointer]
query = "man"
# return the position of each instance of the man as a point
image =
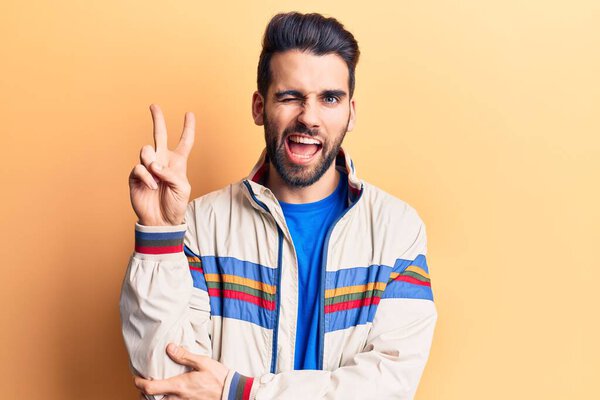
(299, 282)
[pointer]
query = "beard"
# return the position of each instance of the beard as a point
(299, 175)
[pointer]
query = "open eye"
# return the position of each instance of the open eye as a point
(331, 99)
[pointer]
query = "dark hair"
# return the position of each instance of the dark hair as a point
(306, 32)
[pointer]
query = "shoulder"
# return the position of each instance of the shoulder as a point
(390, 207)
(396, 223)
(217, 198)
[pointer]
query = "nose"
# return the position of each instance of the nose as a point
(309, 115)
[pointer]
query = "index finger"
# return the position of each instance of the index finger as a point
(160, 128)
(187, 136)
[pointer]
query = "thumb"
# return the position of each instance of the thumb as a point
(181, 356)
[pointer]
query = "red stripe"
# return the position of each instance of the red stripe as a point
(410, 279)
(159, 250)
(347, 305)
(196, 269)
(247, 387)
(234, 294)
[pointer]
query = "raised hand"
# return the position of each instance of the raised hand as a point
(158, 186)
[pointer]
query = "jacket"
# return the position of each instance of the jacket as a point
(224, 284)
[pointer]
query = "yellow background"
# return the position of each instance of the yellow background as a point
(481, 114)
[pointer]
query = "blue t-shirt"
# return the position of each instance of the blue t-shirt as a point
(308, 224)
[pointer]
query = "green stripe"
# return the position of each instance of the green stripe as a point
(411, 274)
(240, 288)
(353, 296)
(239, 392)
(416, 276)
(195, 264)
(158, 243)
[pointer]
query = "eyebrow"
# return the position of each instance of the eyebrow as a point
(295, 93)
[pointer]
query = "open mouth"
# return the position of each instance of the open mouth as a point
(302, 148)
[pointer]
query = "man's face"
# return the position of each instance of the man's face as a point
(306, 113)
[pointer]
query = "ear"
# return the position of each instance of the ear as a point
(258, 107)
(352, 119)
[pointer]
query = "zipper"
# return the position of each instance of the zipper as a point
(278, 293)
(322, 283)
(278, 302)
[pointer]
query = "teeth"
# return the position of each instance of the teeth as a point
(304, 140)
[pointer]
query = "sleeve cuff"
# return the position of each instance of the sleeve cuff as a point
(238, 387)
(159, 239)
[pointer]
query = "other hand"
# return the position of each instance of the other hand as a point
(204, 382)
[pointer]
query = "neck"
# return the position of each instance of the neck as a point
(298, 195)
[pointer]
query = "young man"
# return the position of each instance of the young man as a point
(299, 282)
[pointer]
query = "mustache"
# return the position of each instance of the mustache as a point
(300, 128)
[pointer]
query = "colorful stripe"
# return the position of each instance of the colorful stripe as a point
(196, 270)
(240, 387)
(240, 289)
(353, 294)
(159, 242)
(246, 291)
(411, 282)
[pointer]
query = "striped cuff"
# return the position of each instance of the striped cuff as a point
(159, 239)
(237, 387)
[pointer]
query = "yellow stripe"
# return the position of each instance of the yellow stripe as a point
(418, 270)
(194, 259)
(241, 281)
(355, 289)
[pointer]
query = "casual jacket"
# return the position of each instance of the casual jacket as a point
(224, 284)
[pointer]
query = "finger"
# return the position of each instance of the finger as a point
(147, 155)
(187, 136)
(181, 356)
(140, 173)
(164, 386)
(160, 128)
(167, 175)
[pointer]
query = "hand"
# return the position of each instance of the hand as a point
(158, 186)
(204, 382)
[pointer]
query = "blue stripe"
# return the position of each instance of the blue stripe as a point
(189, 252)
(234, 266)
(419, 261)
(233, 387)
(347, 318)
(406, 290)
(159, 235)
(242, 310)
(358, 276)
(374, 273)
(197, 276)
(199, 281)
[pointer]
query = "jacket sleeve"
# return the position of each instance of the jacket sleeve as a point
(164, 299)
(393, 358)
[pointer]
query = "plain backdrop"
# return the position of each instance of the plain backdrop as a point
(483, 115)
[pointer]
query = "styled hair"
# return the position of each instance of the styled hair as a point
(312, 33)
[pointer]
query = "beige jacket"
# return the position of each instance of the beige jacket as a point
(224, 284)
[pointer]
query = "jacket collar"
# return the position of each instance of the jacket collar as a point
(255, 181)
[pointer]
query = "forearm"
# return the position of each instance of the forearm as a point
(390, 367)
(155, 301)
